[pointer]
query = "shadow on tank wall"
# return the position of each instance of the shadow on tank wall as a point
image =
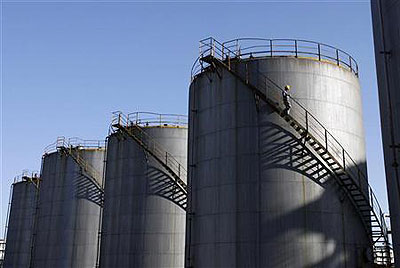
(85, 188)
(324, 215)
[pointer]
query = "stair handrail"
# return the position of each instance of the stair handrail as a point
(122, 120)
(213, 48)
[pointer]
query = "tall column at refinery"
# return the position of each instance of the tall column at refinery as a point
(386, 24)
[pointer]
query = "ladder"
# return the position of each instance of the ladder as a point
(87, 170)
(344, 169)
(173, 186)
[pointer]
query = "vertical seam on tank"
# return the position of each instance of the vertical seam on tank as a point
(189, 203)
(146, 160)
(258, 256)
(236, 169)
(34, 223)
(305, 215)
(343, 233)
(389, 100)
(36, 218)
(120, 165)
(76, 167)
(99, 231)
(194, 155)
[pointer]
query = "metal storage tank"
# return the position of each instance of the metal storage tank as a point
(386, 24)
(144, 219)
(21, 221)
(263, 191)
(69, 206)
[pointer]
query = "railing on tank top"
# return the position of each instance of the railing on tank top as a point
(74, 142)
(262, 47)
(72, 147)
(148, 119)
(128, 122)
(274, 93)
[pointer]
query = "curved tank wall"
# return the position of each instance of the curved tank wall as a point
(20, 225)
(140, 229)
(250, 205)
(67, 228)
(386, 22)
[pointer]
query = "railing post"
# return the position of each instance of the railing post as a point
(370, 197)
(351, 68)
(295, 47)
(166, 158)
(326, 140)
(247, 73)
(212, 46)
(337, 57)
(344, 161)
(270, 46)
(237, 47)
(319, 51)
(200, 49)
(306, 122)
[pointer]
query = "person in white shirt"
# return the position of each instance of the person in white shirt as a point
(286, 100)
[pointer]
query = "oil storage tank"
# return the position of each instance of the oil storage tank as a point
(21, 221)
(69, 206)
(386, 25)
(277, 158)
(145, 192)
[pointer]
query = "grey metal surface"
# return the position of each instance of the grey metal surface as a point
(141, 229)
(251, 207)
(20, 225)
(386, 24)
(67, 229)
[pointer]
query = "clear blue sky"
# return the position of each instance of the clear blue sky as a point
(66, 65)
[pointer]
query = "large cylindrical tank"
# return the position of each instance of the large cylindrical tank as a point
(21, 222)
(141, 229)
(250, 204)
(67, 229)
(386, 22)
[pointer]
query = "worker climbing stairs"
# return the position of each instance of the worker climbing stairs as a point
(217, 57)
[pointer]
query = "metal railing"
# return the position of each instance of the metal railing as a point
(151, 145)
(74, 142)
(145, 119)
(260, 47)
(72, 146)
(273, 94)
(27, 174)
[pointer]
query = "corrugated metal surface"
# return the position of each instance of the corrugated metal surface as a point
(141, 229)
(20, 225)
(386, 23)
(68, 219)
(252, 205)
